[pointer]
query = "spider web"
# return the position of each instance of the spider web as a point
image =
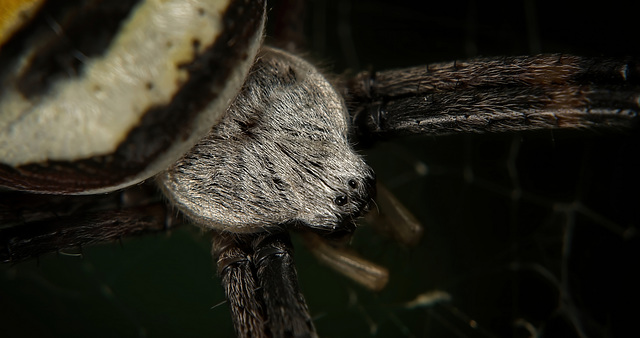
(525, 235)
(522, 238)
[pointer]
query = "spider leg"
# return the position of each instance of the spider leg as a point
(33, 225)
(261, 284)
(372, 276)
(393, 219)
(389, 218)
(496, 95)
(286, 308)
(236, 271)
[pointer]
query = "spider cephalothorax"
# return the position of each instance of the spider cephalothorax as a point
(279, 156)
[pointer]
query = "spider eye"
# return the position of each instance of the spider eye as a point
(341, 200)
(353, 184)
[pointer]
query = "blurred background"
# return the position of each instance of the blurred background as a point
(530, 234)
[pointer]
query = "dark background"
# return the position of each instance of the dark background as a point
(527, 232)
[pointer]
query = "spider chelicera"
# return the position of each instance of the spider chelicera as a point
(369, 314)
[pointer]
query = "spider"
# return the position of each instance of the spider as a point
(368, 309)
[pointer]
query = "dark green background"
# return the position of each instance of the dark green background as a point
(494, 238)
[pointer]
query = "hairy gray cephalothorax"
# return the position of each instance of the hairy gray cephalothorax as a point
(280, 155)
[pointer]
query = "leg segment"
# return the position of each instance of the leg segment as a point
(261, 284)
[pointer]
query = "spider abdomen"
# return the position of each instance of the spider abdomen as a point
(99, 95)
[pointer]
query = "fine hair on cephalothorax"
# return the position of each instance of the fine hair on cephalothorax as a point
(280, 155)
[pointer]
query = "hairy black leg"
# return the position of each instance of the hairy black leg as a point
(261, 284)
(286, 309)
(33, 225)
(236, 271)
(496, 95)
